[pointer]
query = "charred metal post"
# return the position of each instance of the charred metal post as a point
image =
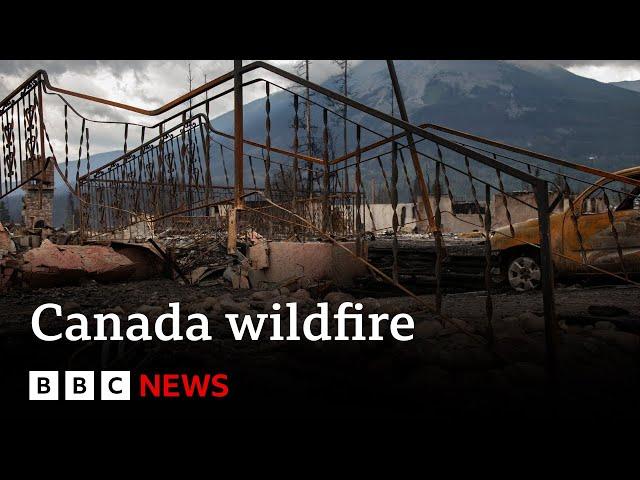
(424, 188)
(487, 265)
(326, 213)
(238, 176)
(394, 205)
(546, 280)
(438, 221)
(359, 225)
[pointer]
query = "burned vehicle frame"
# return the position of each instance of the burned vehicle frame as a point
(593, 236)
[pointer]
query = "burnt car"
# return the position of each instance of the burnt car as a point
(519, 262)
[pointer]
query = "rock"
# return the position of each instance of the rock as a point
(70, 307)
(263, 295)
(230, 306)
(149, 311)
(53, 265)
(606, 311)
(284, 291)
(144, 309)
(427, 329)
(118, 310)
(531, 322)
(301, 294)
(209, 303)
(604, 325)
(244, 283)
(369, 305)
(336, 298)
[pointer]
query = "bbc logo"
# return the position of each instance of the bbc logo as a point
(79, 385)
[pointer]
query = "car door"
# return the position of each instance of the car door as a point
(601, 247)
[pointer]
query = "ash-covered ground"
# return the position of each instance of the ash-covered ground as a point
(442, 372)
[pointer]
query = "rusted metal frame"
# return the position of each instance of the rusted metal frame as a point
(193, 93)
(180, 100)
(447, 183)
(394, 206)
(614, 232)
(294, 177)
(551, 328)
(4, 158)
(162, 122)
(322, 90)
(368, 205)
(574, 221)
(267, 158)
(497, 155)
(207, 153)
(411, 193)
(371, 146)
(307, 118)
(238, 145)
(6, 125)
(88, 154)
(27, 134)
(182, 156)
(81, 220)
(325, 183)
(78, 177)
(505, 203)
(162, 137)
(359, 226)
(40, 133)
(384, 175)
(415, 130)
(66, 143)
(487, 266)
(16, 161)
(529, 153)
(424, 188)
(439, 249)
(21, 161)
(473, 188)
(475, 178)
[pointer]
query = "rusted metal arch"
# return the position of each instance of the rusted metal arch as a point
(301, 81)
(530, 153)
(338, 97)
(205, 122)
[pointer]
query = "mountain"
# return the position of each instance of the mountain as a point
(633, 85)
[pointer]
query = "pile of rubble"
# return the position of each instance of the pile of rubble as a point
(197, 258)
(47, 257)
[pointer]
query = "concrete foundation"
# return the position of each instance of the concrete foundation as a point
(304, 263)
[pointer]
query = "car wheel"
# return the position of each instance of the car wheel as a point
(523, 274)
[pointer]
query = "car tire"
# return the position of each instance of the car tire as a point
(523, 273)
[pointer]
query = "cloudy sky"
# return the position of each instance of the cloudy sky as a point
(151, 83)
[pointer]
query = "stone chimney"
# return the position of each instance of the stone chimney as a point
(37, 203)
